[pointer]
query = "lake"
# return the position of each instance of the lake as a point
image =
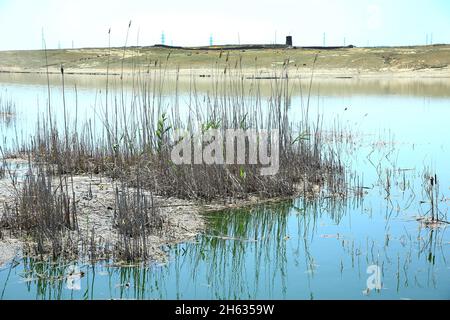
(395, 135)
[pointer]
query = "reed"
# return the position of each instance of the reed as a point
(8, 111)
(135, 218)
(143, 135)
(43, 212)
(133, 146)
(431, 191)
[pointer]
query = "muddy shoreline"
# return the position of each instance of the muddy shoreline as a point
(95, 202)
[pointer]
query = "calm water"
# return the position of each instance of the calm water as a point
(294, 250)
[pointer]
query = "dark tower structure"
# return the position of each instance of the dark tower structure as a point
(289, 41)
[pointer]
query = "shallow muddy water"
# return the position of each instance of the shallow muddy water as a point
(394, 132)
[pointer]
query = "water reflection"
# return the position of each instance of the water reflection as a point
(298, 249)
(424, 87)
(293, 250)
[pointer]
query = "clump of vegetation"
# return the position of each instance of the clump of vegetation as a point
(7, 111)
(3, 169)
(134, 148)
(433, 217)
(135, 218)
(44, 213)
(137, 140)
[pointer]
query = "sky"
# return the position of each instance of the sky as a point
(85, 23)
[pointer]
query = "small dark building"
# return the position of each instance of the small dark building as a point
(289, 41)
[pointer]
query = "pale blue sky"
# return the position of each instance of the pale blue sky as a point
(191, 22)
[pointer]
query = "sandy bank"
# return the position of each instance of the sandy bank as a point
(374, 62)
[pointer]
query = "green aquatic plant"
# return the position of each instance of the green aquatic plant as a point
(300, 137)
(211, 125)
(161, 132)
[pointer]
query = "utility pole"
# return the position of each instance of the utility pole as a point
(324, 39)
(43, 38)
(163, 38)
(211, 40)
